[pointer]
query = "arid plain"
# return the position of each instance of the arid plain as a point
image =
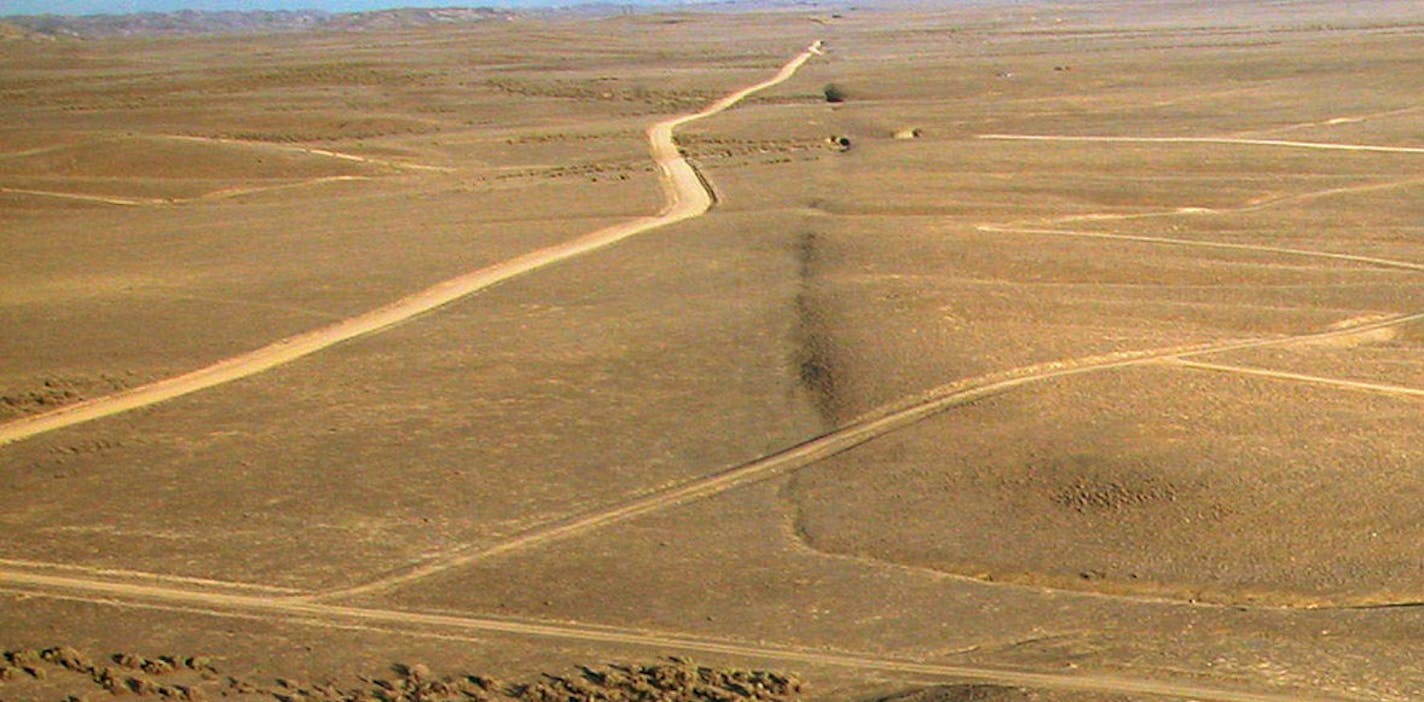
(1091, 369)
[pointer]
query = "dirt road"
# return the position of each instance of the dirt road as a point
(444, 626)
(685, 195)
(875, 424)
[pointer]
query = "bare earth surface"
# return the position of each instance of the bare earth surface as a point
(506, 360)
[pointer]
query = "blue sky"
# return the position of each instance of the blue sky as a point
(89, 7)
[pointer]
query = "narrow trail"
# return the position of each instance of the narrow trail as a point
(1256, 205)
(33, 152)
(1330, 122)
(158, 579)
(1270, 202)
(1280, 250)
(82, 197)
(685, 194)
(1381, 388)
(1324, 146)
(160, 201)
(1373, 261)
(879, 423)
(255, 189)
(328, 153)
(422, 624)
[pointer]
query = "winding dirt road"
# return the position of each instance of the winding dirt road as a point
(685, 194)
(82, 197)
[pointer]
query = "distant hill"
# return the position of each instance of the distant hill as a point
(415, 17)
(194, 22)
(191, 22)
(14, 32)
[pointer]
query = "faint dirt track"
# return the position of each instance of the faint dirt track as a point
(1309, 379)
(156, 201)
(1325, 146)
(863, 429)
(443, 626)
(1367, 260)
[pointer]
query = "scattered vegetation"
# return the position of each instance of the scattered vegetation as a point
(56, 391)
(196, 678)
(707, 148)
(604, 91)
(978, 693)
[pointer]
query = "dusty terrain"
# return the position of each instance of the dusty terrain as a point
(1090, 370)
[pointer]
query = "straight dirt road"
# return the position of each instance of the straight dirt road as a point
(685, 195)
(451, 626)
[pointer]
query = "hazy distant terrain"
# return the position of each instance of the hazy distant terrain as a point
(193, 22)
(196, 22)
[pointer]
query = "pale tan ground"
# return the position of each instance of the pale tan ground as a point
(1102, 418)
(685, 197)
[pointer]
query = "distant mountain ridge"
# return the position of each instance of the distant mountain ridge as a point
(10, 31)
(192, 22)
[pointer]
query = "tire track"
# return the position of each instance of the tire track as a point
(859, 431)
(683, 192)
(115, 574)
(1332, 122)
(421, 624)
(103, 199)
(1380, 388)
(1367, 260)
(1250, 207)
(159, 201)
(252, 190)
(1256, 205)
(1324, 146)
(328, 153)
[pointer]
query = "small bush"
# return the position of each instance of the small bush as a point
(834, 93)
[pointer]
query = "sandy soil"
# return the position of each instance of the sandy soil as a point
(1103, 386)
(685, 197)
